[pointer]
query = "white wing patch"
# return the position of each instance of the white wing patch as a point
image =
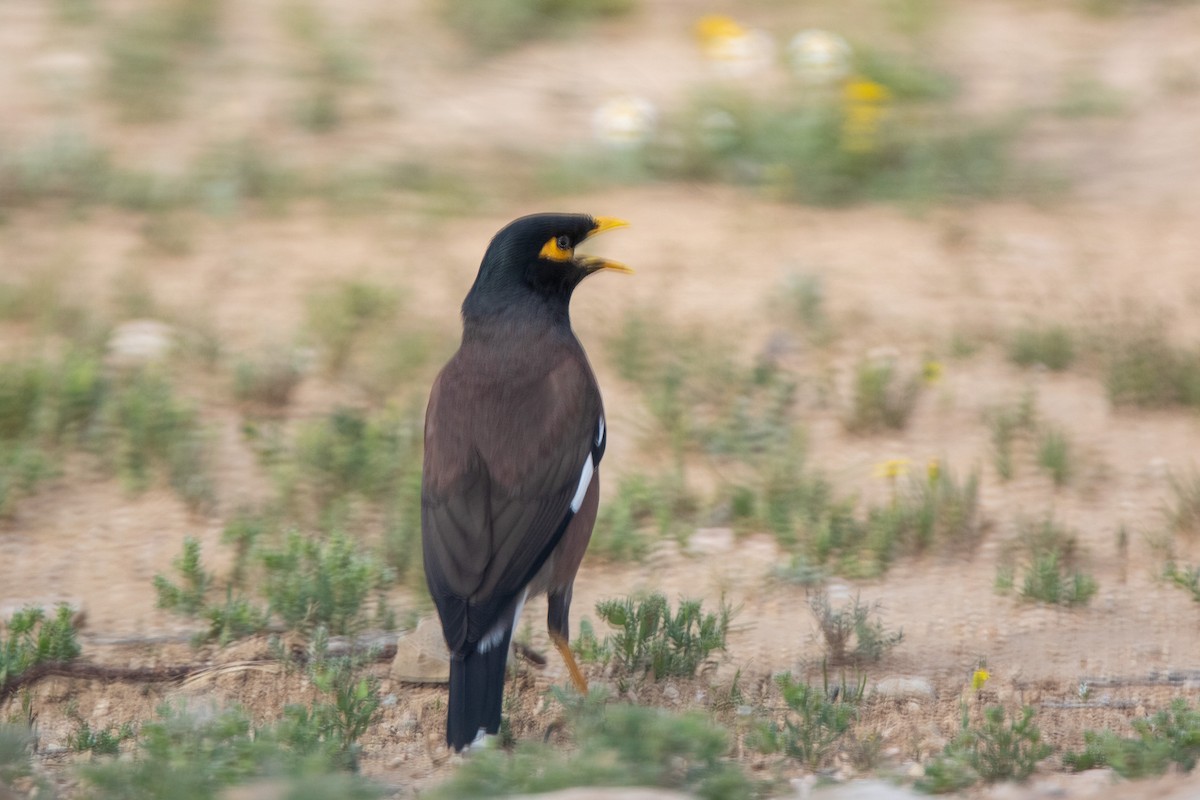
(600, 431)
(496, 635)
(585, 480)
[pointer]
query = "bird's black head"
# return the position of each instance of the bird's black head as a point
(533, 258)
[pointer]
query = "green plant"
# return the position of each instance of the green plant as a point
(340, 722)
(1145, 370)
(402, 536)
(882, 398)
(267, 381)
(197, 757)
(236, 619)
(1007, 423)
(309, 582)
(494, 26)
(803, 300)
(992, 752)
(643, 508)
(1052, 346)
(851, 623)
(186, 597)
(1170, 736)
(813, 724)
(588, 647)
(1047, 581)
(651, 638)
(102, 742)
(1054, 454)
(33, 638)
(229, 174)
(351, 453)
(1049, 556)
(615, 745)
(147, 52)
(329, 63)
(1186, 577)
(339, 315)
(933, 510)
(1087, 96)
(799, 571)
(1183, 514)
(147, 426)
(16, 750)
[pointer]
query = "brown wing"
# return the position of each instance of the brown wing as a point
(504, 454)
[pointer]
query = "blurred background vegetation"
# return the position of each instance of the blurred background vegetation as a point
(233, 238)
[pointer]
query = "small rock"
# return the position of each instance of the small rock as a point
(671, 692)
(421, 656)
(139, 342)
(710, 541)
(864, 790)
(899, 687)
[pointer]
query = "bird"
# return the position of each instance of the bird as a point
(510, 483)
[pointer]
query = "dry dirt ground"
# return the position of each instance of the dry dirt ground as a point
(1120, 242)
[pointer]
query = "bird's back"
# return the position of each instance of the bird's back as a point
(512, 435)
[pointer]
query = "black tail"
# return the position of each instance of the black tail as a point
(476, 694)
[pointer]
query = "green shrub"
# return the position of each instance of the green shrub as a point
(494, 25)
(1183, 514)
(103, 742)
(1185, 577)
(815, 721)
(995, 751)
(230, 174)
(1052, 346)
(933, 510)
(32, 638)
(187, 596)
(852, 623)
(644, 508)
(1007, 424)
(1047, 581)
(1145, 370)
(1054, 455)
(197, 757)
(267, 381)
(350, 452)
(651, 638)
(807, 148)
(310, 582)
(339, 315)
(1049, 557)
(146, 427)
(16, 751)
(616, 745)
(883, 400)
(1170, 736)
(146, 56)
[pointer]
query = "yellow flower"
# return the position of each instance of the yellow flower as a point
(933, 469)
(713, 27)
(931, 371)
(861, 90)
(892, 468)
(980, 678)
(864, 105)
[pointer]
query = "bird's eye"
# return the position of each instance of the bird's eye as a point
(564, 243)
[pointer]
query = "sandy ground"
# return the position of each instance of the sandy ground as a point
(1120, 244)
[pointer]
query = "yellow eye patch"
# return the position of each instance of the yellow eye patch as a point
(552, 251)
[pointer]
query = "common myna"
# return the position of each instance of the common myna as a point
(514, 434)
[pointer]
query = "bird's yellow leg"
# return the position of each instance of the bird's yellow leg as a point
(572, 667)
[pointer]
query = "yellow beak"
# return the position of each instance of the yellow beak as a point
(595, 263)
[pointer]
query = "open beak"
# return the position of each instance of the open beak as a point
(595, 263)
